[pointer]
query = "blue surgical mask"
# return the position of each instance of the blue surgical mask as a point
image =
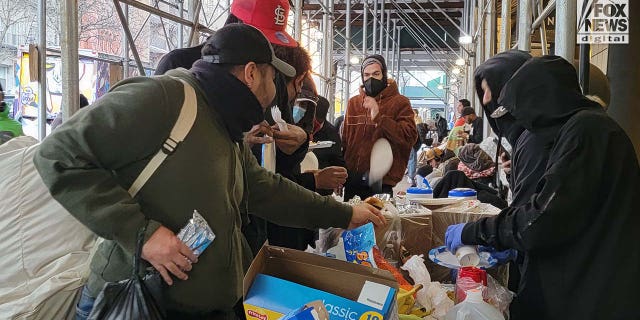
(298, 113)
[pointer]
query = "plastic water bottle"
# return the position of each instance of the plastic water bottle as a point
(474, 308)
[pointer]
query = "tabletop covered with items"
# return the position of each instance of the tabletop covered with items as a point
(400, 271)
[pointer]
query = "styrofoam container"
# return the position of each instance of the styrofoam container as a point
(463, 193)
(415, 193)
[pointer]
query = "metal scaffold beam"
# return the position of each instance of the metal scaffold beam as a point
(524, 25)
(347, 58)
(505, 26)
(42, 70)
(69, 53)
(127, 32)
(565, 45)
(166, 15)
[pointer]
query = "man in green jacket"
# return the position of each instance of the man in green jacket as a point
(9, 128)
(89, 164)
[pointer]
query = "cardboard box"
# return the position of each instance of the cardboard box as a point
(281, 280)
(416, 232)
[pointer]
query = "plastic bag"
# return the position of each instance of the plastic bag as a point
(499, 296)
(420, 275)
(131, 298)
(390, 239)
(358, 245)
(441, 302)
(474, 308)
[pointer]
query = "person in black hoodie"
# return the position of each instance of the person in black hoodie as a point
(330, 157)
(578, 229)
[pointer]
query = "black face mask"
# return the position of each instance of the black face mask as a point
(373, 87)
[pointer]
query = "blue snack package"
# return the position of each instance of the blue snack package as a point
(358, 245)
(197, 234)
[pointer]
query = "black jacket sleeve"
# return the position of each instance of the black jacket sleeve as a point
(478, 130)
(560, 209)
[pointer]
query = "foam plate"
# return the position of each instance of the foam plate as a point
(381, 160)
(320, 145)
(442, 256)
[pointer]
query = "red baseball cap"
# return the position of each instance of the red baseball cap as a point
(269, 16)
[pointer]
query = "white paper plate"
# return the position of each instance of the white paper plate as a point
(381, 160)
(320, 145)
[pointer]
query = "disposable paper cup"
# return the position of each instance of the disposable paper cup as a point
(468, 256)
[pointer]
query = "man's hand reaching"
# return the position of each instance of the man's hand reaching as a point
(167, 253)
(259, 134)
(291, 140)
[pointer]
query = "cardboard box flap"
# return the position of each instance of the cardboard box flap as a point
(330, 275)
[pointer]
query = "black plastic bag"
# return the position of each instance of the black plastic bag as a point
(134, 298)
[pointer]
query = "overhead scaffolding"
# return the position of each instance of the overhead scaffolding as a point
(413, 36)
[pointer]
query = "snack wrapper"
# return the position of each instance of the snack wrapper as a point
(197, 234)
(358, 245)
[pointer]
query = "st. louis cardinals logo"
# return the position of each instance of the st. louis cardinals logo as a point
(280, 18)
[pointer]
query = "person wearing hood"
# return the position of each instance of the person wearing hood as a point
(476, 164)
(379, 111)
(9, 128)
(528, 160)
(89, 163)
(578, 230)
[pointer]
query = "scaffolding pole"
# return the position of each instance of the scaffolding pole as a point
(42, 70)
(543, 28)
(297, 27)
(375, 27)
(479, 49)
(69, 54)
(524, 25)
(544, 14)
(365, 25)
(387, 38)
(381, 37)
(196, 7)
(505, 26)
(347, 58)
(125, 45)
(324, 71)
(399, 55)
(180, 27)
(393, 48)
(331, 75)
(565, 45)
(127, 32)
(150, 9)
(490, 43)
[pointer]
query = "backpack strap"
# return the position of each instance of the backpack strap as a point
(180, 130)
